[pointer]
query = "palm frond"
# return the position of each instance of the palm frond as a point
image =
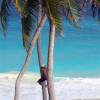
(52, 9)
(98, 7)
(29, 21)
(4, 14)
(27, 25)
(73, 11)
(19, 4)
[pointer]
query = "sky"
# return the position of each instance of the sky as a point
(77, 54)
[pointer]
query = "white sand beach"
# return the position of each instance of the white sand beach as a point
(65, 88)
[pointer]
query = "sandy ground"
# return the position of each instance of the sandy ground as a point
(65, 88)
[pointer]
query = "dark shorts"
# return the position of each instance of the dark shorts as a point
(41, 80)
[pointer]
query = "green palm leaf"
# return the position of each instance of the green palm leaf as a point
(53, 8)
(29, 21)
(19, 4)
(4, 14)
(72, 8)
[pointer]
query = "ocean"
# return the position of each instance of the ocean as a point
(77, 54)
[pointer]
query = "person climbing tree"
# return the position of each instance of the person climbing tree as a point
(44, 75)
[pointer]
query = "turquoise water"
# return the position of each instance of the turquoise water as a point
(77, 54)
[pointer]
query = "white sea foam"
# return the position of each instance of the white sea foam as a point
(65, 88)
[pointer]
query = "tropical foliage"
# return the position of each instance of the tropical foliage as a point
(55, 10)
(28, 9)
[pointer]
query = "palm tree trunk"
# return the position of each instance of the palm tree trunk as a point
(44, 91)
(51, 90)
(28, 58)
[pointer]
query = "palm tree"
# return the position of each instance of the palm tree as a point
(53, 9)
(28, 58)
(26, 19)
(44, 90)
(50, 61)
(55, 16)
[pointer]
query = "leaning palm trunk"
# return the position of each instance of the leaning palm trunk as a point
(28, 58)
(50, 61)
(44, 91)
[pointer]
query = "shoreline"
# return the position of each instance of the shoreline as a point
(30, 74)
(33, 77)
(56, 75)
